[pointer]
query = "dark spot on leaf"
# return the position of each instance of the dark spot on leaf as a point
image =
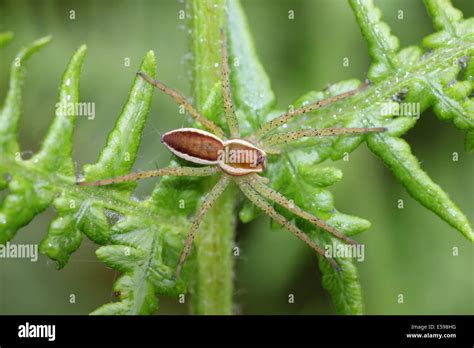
(112, 216)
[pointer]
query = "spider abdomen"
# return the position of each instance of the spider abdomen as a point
(194, 145)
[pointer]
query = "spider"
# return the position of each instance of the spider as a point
(238, 159)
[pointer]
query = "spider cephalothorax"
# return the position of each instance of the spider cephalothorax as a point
(238, 159)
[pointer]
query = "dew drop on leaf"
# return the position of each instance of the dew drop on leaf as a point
(113, 217)
(135, 199)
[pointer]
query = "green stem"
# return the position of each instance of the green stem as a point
(211, 283)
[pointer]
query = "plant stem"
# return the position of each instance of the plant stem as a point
(211, 283)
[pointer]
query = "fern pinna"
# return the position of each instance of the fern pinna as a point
(145, 239)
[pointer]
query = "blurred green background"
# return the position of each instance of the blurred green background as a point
(408, 251)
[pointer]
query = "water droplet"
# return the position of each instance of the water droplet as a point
(68, 82)
(112, 216)
(135, 199)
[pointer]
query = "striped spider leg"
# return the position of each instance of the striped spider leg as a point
(212, 149)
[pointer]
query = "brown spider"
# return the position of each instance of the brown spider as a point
(238, 159)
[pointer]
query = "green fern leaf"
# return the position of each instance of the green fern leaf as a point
(428, 80)
(26, 197)
(5, 38)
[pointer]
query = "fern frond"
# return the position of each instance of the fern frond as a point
(143, 239)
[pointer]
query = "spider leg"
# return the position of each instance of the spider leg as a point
(178, 98)
(324, 132)
(212, 196)
(263, 204)
(174, 171)
(228, 105)
(273, 195)
(259, 178)
(287, 116)
(271, 150)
